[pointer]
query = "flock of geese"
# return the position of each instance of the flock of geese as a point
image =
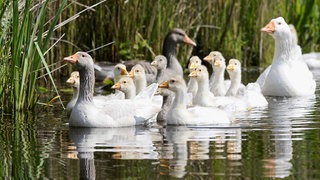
(159, 91)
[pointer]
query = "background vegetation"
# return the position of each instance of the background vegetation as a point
(137, 29)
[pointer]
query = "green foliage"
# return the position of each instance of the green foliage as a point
(232, 27)
(30, 25)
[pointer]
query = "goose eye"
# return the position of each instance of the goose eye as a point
(82, 55)
(214, 55)
(160, 60)
(279, 23)
(118, 68)
(172, 81)
(124, 82)
(137, 70)
(200, 70)
(197, 62)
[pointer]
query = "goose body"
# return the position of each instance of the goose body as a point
(287, 75)
(111, 113)
(250, 96)
(179, 114)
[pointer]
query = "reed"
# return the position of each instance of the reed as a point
(232, 27)
(137, 29)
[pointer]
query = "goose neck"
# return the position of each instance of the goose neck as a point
(169, 51)
(140, 83)
(180, 99)
(87, 81)
(282, 50)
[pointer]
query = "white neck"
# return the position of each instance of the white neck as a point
(282, 50)
(235, 83)
(180, 99)
(218, 78)
(140, 84)
(130, 93)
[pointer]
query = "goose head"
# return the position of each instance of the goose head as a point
(137, 72)
(278, 29)
(234, 67)
(126, 85)
(80, 60)
(179, 36)
(194, 62)
(216, 59)
(174, 84)
(200, 73)
(74, 79)
(160, 62)
(119, 70)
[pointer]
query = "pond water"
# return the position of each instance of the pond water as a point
(282, 141)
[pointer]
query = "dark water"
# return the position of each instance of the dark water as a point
(282, 141)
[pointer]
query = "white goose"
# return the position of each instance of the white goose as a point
(218, 86)
(126, 85)
(119, 71)
(287, 75)
(251, 95)
(139, 77)
(112, 113)
(194, 62)
(179, 114)
(203, 96)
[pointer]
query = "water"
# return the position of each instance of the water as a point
(281, 141)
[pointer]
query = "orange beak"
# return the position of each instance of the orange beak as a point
(187, 40)
(230, 67)
(193, 74)
(131, 74)
(165, 84)
(116, 86)
(192, 66)
(269, 28)
(124, 72)
(216, 63)
(71, 59)
(71, 80)
(207, 58)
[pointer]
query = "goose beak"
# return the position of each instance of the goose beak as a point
(193, 74)
(124, 72)
(207, 58)
(116, 86)
(230, 67)
(165, 84)
(187, 40)
(269, 28)
(192, 66)
(131, 74)
(216, 63)
(153, 63)
(71, 80)
(71, 59)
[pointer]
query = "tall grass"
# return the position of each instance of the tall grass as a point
(29, 25)
(138, 29)
(230, 26)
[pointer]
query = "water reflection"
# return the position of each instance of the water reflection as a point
(285, 114)
(184, 144)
